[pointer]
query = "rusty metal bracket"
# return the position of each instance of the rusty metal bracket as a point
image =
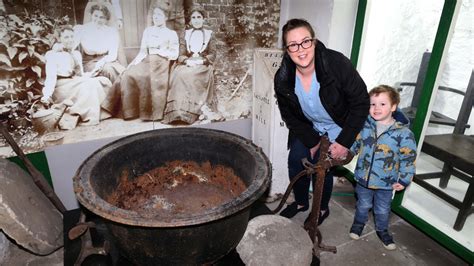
(82, 230)
(324, 163)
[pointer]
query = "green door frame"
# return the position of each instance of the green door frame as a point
(442, 33)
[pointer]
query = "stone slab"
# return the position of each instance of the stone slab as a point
(26, 214)
(275, 240)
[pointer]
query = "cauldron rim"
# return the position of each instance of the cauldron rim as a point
(84, 191)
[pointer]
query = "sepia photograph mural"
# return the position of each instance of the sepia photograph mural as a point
(78, 70)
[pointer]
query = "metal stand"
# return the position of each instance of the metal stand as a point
(320, 169)
(82, 230)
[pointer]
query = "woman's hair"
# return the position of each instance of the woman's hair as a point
(393, 94)
(294, 24)
(102, 9)
(160, 8)
(64, 28)
(199, 9)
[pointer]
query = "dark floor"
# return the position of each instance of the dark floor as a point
(413, 246)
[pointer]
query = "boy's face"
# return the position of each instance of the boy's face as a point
(381, 108)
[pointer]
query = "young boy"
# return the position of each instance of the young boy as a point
(386, 162)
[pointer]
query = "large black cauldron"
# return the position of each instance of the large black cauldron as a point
(184, 239)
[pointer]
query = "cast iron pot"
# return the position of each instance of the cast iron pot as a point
(183, 239)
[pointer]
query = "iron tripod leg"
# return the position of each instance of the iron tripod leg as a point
(312, 223)
(311, 226)
(82, 230)
(320, 168)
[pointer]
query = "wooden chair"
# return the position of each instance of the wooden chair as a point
(456, 151)
(410, 111)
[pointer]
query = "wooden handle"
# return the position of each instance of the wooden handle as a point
(38, 178)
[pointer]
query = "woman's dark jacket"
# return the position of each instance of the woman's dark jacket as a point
(343, 94)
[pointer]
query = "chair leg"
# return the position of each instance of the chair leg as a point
(443, 181)
(466, 208)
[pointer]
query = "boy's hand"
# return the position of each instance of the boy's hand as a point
(398, 186)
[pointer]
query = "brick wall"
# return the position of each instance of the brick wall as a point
(240, 26)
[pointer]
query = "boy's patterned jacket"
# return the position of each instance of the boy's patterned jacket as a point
(385, 160)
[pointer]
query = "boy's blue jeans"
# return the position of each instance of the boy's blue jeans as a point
(378, 199)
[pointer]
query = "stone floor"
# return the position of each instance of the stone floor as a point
(413, 246)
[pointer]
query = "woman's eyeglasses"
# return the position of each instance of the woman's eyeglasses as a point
(294, 47)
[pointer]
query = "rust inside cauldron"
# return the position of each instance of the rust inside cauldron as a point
(177, 187)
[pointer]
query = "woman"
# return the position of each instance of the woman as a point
(142, 89)
(192, 81)
(174, 11)
(99, 44)
(116, 18)
(115, 21)
(65, 80)
(319, 93)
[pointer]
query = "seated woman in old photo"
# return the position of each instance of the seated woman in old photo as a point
(141, 92)
(116, 18)
(66, 80)
(115, 21)
(99, 44)
(174, 12)
(192, 80)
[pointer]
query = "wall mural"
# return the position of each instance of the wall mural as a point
(77, 70)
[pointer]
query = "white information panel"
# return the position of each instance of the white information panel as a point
(268, 129)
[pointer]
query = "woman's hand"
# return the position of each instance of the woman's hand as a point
(337, 151)
(194, 62)
(137, 60)
(99, 65)
(313, 150)
(45, 100)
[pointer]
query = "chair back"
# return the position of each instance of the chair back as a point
(420, 79)
(466, 107)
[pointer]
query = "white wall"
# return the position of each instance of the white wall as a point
(317, 13)
(396, 33)
(457, 71)
(342, 26)
(332, 20)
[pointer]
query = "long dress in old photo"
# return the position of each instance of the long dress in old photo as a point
(141, 90)
(86, 93)
(99, 43)
(191, 87)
